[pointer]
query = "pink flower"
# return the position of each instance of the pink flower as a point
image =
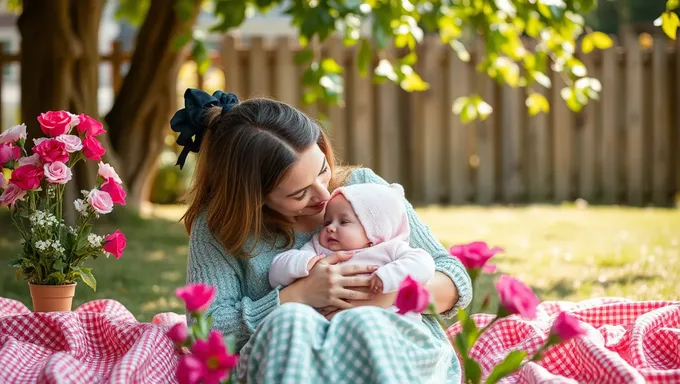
(178, 333)
(412, 297)
(11, 195)
(516, 297)
(89, 126)
(115, 244)
(114, 189)
(13, 134)
(197, 297)
(72, 142)
(100, 201)
(190, 370)
(215, 357)
(34, 159)
(57, 173)
(566, 327)
(107, 172)
(51, 150)
(39, 140)
(9, 152)
(92, 148)
(27, 177)
(55, 123)
(475, 255)
(3, 182)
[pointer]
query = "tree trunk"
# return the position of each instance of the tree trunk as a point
(138, 121)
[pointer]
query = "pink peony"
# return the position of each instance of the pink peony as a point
(115, 244)
(190, 370)
(178, 333)
(412, 297)
(516, 297)
(92, 148)
(34, 159)
(475, 255)
(89, 126)
(9, 152)
(566, 327)
(217, 360)
(100, 201)
(72, 142)
(27, 177)
(51, 150)
(11, 195)
(13, 134)
(114, 189)
(55, 123)
(197, 297)
(57, 173)
(107, 172)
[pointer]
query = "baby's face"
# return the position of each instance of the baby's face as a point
(342, 230)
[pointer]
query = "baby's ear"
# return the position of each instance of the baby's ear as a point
(398, 188)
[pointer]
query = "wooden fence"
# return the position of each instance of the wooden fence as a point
(623, 149)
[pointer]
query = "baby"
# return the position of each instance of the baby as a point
(371, 220)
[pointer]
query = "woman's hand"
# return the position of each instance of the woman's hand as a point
(328, 284)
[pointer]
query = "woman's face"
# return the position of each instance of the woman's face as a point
(304, 190)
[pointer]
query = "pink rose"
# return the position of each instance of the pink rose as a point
(115, 243)
(216, 359)
(55, 123)
(197, 297)
(178, 333)
(517, 298)
(9, 152)
(92, 148)
(89, 126)
(57, 173)
(412, 297)
(100, 201)
(72, 142)
(475, 255)
(34, 159)
(190, 370)
(13, 134)
(11, 195)
(114, 189)
(107, 172)
(566, 327)
(27, 177)
(51, 150)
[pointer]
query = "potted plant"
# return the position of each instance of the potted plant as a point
(53, 252)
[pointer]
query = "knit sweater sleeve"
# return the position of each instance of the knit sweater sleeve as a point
(232, 312)
(421, 237)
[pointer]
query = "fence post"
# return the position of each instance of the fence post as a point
(116, 64)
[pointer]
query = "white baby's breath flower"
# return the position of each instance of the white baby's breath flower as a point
(95, 240)
(80, 205)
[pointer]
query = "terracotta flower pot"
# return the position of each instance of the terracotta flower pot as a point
(52, 298)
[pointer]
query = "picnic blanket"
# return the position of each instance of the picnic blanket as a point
(627, 342)
(101, 342)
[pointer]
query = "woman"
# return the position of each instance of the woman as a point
(261, 182)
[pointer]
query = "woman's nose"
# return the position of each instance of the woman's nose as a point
(321, 191)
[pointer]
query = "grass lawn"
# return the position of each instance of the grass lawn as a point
(564, 253)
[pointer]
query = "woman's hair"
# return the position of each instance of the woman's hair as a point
(244, 155)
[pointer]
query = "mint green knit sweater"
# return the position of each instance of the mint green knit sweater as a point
(244, 297)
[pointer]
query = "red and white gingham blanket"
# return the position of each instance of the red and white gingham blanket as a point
(627, 342)
(100, 341)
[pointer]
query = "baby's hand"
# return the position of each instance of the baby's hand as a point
(313, 262)
(376, 284)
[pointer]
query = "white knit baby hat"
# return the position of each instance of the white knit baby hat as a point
(380, 208)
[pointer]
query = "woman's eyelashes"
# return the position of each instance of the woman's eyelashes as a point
(304, 193)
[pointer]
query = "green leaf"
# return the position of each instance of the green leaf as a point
(509, 365)
(413, 82)
(231, 12)
(304, 56)
(230, 342)
(200, 54)
(364, 57)
(473, 372)
(59, 265)
(537, 103)
(470, 330)
(672, 5)
(181, 40)
(597, 40)
(185, 9)
(670, 23)
(88, 278)
(133, 11)
(331, 66)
